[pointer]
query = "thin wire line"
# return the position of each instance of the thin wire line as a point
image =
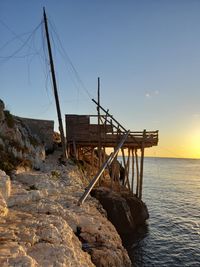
(65, 54)
(21, 47)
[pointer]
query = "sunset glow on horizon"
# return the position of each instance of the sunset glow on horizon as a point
(147, 54)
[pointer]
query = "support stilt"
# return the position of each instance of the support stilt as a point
(137, 173)
(141, 166)
(132, 180)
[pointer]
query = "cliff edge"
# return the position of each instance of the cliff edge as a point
(42, 225)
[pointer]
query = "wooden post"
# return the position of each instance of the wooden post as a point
(113, 172)
(127, 170)
(137, 172)
(123, 156)
(126, 179)
(92, 160)
(99, 126)
(124, 162)
(142, 164)
(63, 141)
(132, 180)
(111, 123)
(108, 162)
(104, 138)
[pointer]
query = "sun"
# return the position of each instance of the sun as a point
(194, 144)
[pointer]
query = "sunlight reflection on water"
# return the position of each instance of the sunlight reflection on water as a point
(171, 192)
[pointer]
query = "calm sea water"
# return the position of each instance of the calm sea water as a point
(172, 194)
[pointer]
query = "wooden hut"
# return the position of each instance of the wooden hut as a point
(85, 133)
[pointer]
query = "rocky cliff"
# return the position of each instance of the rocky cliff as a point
(42, 225)
(18, 146)
(40, 221)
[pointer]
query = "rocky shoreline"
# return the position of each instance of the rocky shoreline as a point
(124, 210)
(42, 225)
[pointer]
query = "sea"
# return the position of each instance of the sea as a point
(171, 237)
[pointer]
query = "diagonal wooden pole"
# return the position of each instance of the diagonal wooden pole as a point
(105, 164)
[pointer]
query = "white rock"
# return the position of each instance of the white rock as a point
(3, 206)
(5, 186)
(44, 217)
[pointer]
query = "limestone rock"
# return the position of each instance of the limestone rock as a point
(12, 254)
(47, 227)
(5, 188)
(19, 261)
(17, 144)
(5, 185)
(3, 206)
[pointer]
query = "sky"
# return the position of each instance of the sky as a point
(146, 53)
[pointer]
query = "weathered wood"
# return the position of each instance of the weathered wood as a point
(93, 128)
(123, 157)
(126, 163)
(106, 112)
(92, 160)
(137, 173)
(132, 180)
(99, 127)
(106, 163)
(108, 134)
(113, 172)
(63, 140)
(141, 167)
(127, 182)
(84, 134)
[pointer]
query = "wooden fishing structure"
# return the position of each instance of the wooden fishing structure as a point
(84, 136)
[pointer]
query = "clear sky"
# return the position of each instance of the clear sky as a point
(146, 52)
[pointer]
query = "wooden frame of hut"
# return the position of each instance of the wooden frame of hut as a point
(87, 133)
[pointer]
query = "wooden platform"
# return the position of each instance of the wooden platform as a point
(81, 131)
(87, 133)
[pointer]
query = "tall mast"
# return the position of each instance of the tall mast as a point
(63, 141)
(99, 123)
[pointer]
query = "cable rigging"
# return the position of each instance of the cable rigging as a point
(65, 55)
(32, 51)
(24, 44)
(29, 42)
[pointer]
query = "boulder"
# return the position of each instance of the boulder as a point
(3, 206)
(4, 192)
(124, 210)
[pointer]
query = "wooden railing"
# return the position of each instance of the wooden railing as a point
(117, 129)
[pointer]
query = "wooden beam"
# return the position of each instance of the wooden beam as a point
(63, 140)
(132, 161)
(119, 125)
(92, 160)
(127, 170)
(108, 162)
(142, 166)
(137, 172)
(113, 172)
(99, 122)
